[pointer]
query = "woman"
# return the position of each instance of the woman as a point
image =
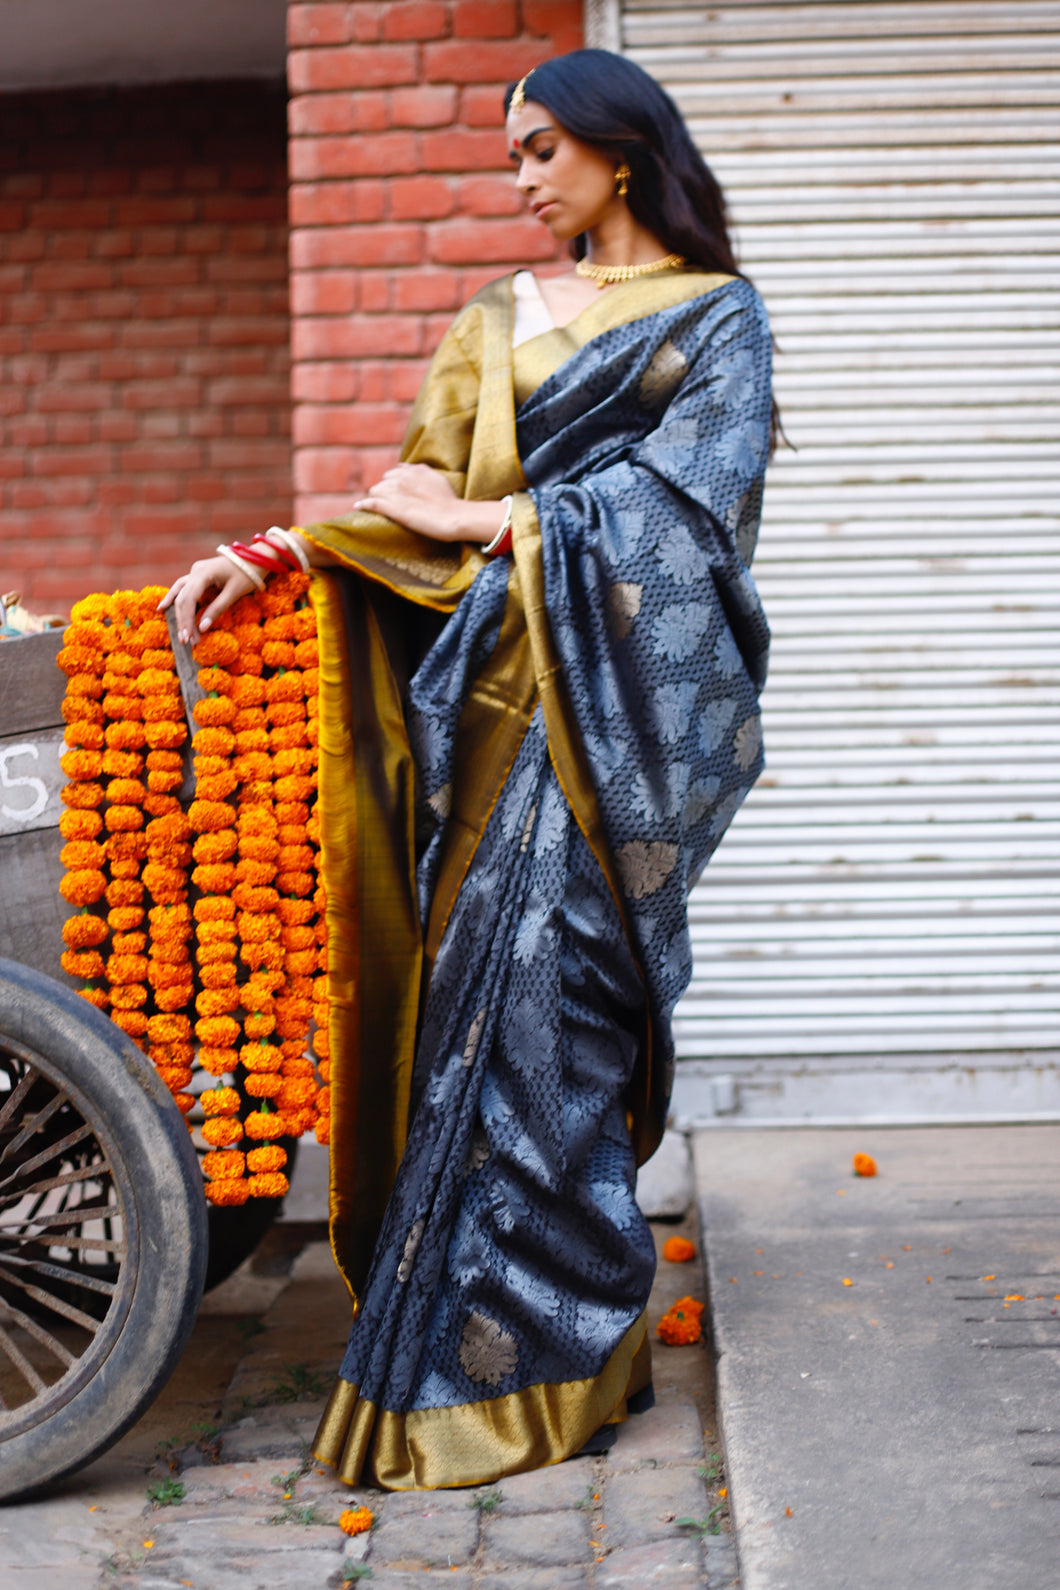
(527, 756)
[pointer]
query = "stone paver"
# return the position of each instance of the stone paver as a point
(644, 1505)
(547, 1490)
(673, 1430)
(422, 1530)
(665, 1564)
(558, 1541)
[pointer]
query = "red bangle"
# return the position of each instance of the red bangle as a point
(272, 564)
(286, 556)
(503, 545)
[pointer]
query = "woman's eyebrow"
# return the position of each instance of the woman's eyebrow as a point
(518, 143)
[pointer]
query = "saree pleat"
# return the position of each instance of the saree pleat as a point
(512, 808)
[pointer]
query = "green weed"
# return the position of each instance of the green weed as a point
(165, 1493)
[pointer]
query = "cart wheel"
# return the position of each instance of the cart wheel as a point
(102, 1231)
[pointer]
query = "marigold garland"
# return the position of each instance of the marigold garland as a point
(201, 930)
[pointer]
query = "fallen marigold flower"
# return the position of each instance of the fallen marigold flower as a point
(678, 1250)
(864, 1165)
(680, 1326)
(355, 1520)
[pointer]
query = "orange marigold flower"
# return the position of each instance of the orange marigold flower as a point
(165, 734)
(169, 1029)
(175, 1077)
(95, 996)
(213, 742)
(273, 1184)
(355, 1520)
(225, 1165)
(163, 880)
(215, 681)
(82, 764)
(131, 1022)
(214, 910)
(213, 712)
(678, 1250)
(296, 1093)
(220, 1131)
(128, 996)
(82, 797)
(217, 877)
(296, 883)
(82, 963)
(215, 1003)
(293, 761)
(217, 845)
(259, 1025)
(270, 1156)
(168, 761)
(680, 1325)
(322, 1130)
(123, 819)
(218, 974)
(161, 781)
(213, 953)
(226, 1194)
(260, 1056)
(218, 649)
(254, 898)
(83, 887)
(254, 871)
(209, 816)
(864, 1165)
(82, 853)
(220, 1101)
(84, 737)
(80, 709)
(220, 1031)
(258, 1125)
(175, 998)
(84, 932)
(129, 943)
(218, 1060)
(263, 1084)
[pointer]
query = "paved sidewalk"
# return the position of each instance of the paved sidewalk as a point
(889, 1350)
(226, 1450)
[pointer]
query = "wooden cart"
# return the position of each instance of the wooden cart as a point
(105, 1240)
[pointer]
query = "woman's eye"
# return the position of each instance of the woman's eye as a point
(545, 154)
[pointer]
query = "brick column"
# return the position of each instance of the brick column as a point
(401, 206)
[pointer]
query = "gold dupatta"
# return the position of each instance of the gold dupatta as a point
(463, 423)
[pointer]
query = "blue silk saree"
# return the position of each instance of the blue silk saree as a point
(525, 765)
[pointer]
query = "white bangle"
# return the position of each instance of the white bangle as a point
(243, 566)
(277, 534)
(506, 525)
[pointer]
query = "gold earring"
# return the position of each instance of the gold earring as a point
(622, 176)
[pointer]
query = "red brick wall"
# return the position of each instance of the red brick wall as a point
(401, 205)
(144, 366)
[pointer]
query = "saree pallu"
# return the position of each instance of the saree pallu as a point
(525, 764)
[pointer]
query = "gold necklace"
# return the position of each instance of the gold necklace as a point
(604, 275)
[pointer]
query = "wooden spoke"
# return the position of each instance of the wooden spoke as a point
(63, 1228)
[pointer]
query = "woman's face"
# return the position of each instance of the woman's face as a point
(568, 185)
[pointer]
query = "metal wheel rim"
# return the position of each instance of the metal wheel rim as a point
(43, 1190)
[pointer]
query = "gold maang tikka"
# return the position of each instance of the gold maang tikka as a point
(518, 99)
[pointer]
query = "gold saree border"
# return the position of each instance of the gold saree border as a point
(478, 1442)
(540, 357)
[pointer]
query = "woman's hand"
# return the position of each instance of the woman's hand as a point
(421, 498)
(187, 591)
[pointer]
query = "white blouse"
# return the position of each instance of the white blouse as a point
(531, 312)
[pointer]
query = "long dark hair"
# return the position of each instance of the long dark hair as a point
(608, 101)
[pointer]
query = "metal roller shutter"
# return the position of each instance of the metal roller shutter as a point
(877, 935)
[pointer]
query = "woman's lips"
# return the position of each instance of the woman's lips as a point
(543, 209)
